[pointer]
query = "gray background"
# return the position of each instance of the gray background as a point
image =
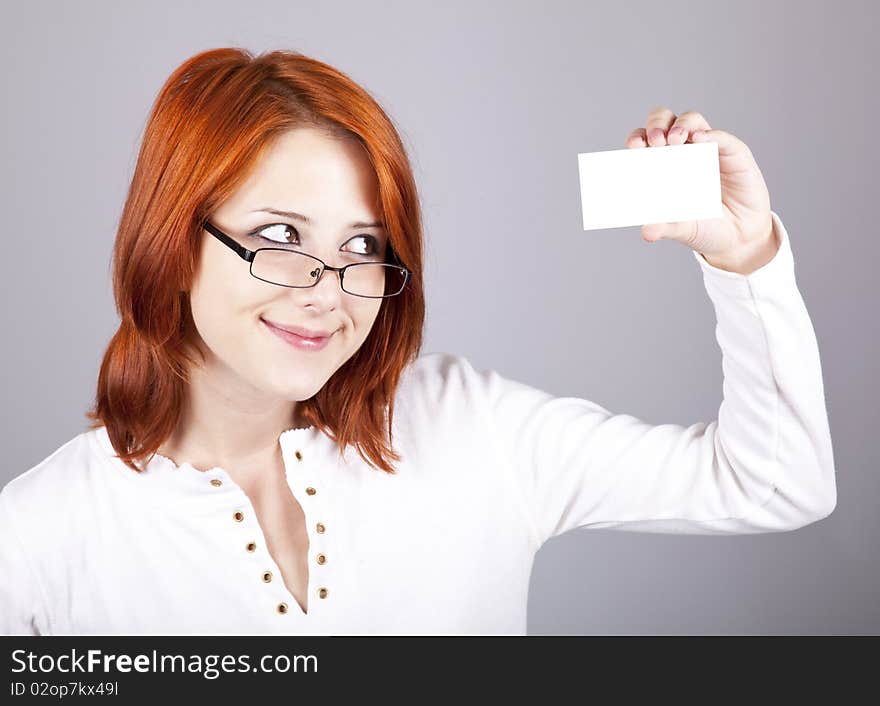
(494, 100)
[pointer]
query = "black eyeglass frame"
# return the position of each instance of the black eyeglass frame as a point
(249, 255)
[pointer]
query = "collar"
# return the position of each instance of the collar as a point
(306, 451)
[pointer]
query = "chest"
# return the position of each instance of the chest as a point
(283, 523)
(396, 554)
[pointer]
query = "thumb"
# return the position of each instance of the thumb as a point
(678, 230)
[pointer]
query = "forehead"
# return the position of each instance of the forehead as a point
(330, 179)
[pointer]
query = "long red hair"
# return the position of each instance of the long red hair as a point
(210, 124)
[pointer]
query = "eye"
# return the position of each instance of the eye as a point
(373, 247)
(276, 230)
(279, 234)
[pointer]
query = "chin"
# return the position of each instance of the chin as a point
(289, 388)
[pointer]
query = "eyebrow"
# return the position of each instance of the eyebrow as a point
(308, 221)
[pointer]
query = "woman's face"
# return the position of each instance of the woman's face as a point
(329, 181)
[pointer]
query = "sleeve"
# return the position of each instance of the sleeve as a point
(764, 465)
(20, 595)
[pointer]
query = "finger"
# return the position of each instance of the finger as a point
(728, 145)
(658, 122)
(684, 125)
(637, 138)
(684, 231)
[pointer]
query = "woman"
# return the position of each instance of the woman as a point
(245, 471)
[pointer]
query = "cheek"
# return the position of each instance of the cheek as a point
(364, 316)
(212, 321)
(221, 303)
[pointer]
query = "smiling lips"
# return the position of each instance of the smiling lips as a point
(300, 331)
(299, 337)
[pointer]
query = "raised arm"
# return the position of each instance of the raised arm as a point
(765, 465)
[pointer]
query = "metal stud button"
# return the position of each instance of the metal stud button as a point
(252, 546)
(311, 491)
(322, 592)
(282, 608)
(320, 527)
(321, 559)
(267, 576)
(238, 516)
(299, 456)
(216, 483)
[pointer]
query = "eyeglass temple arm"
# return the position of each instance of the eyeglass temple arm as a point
(240, 250)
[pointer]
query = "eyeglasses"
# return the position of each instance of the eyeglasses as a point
(292, 268)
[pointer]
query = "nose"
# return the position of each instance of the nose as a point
(326, 294)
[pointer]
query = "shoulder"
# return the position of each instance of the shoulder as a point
(442, 392)
(443, 376)
(43, 494)
(442, 367)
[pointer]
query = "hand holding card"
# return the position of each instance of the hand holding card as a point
(702, 188)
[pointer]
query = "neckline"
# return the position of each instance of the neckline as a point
(158, 464)
(295, 435)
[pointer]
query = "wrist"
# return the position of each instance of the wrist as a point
(750, 257)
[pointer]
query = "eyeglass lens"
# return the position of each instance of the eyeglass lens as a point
(293, 269)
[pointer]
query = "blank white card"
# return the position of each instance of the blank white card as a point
(639, 185)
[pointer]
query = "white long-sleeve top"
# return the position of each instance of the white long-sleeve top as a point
(491, 469)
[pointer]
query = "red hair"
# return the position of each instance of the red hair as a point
(211, 122)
